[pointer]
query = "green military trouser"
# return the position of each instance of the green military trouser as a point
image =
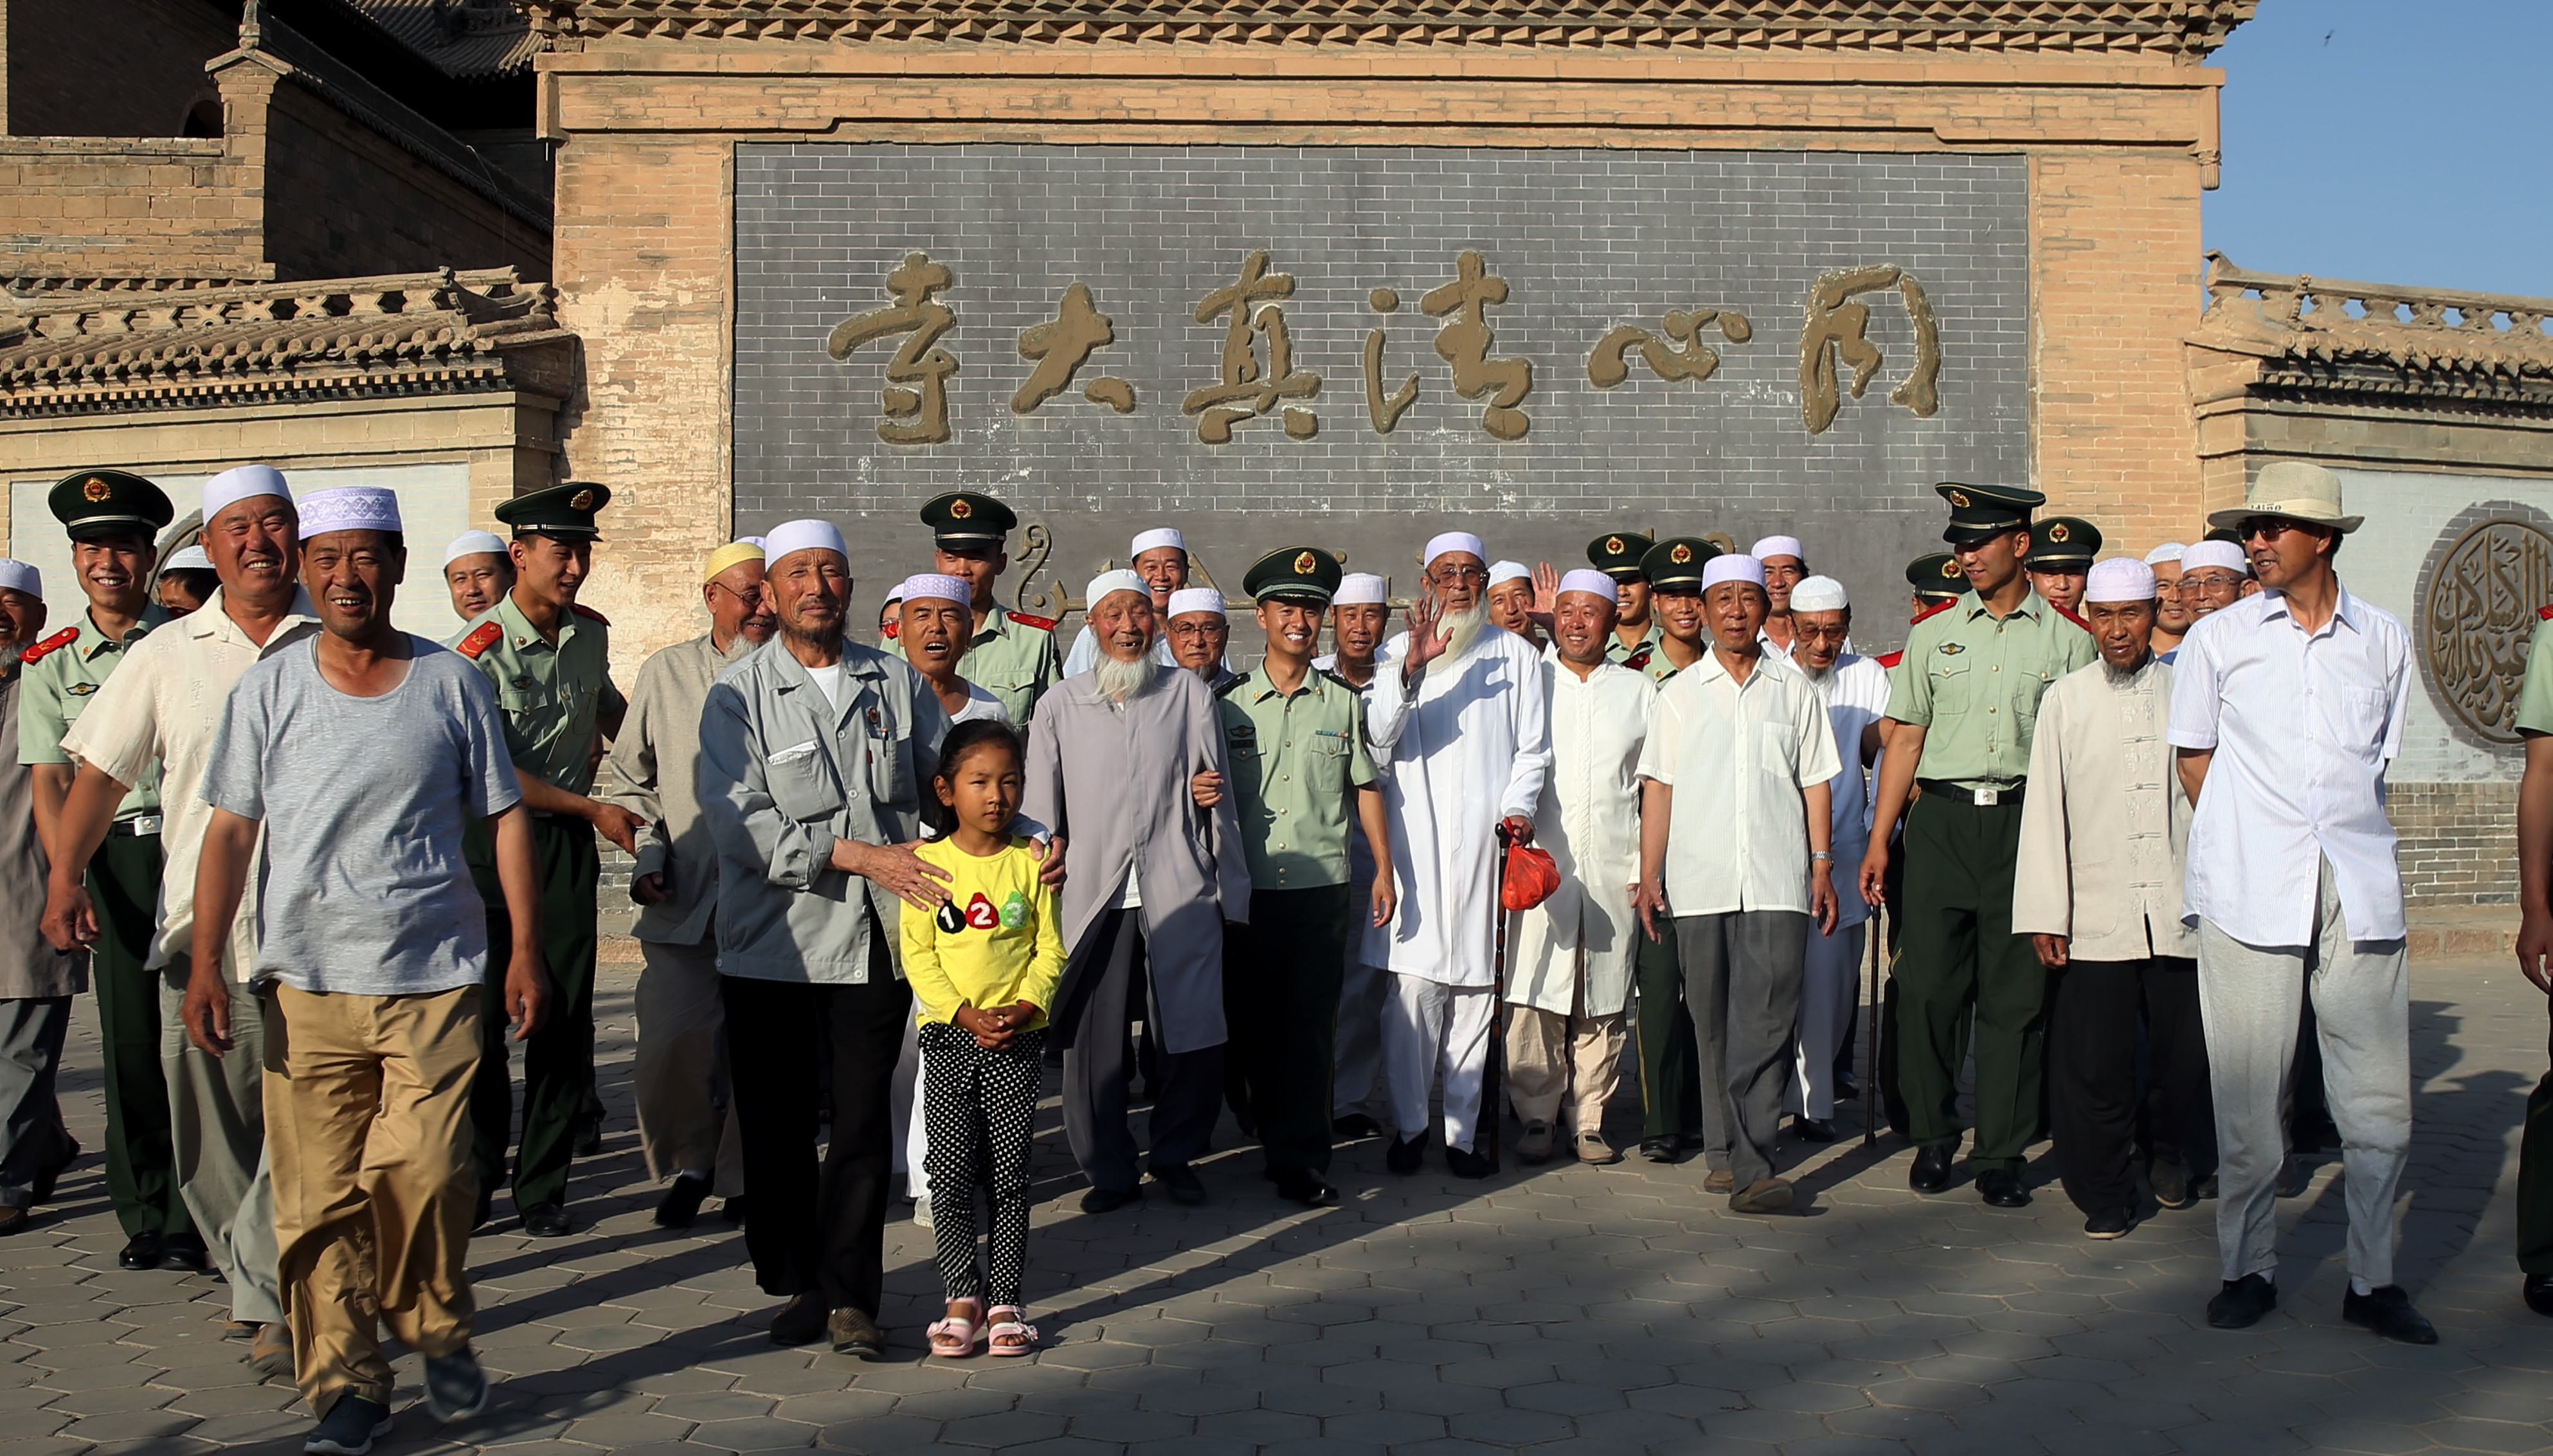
(2535, 1182)
(1670, 1078)
(1281, 1003)
(1958, 954)
(141, 1146)
(558, 1059)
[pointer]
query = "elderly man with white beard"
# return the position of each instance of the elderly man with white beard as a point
(1459, 707)
(1113, 756)
(1855, 690)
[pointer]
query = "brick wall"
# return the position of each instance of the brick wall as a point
(143, 207)
(2458, 842)
(109, 67)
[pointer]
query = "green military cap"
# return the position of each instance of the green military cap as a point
(2062, 543)
(1677, 561)
(108, 503)
(2223, 533)
(1293, 574)
(564, 511)
(1979, 512)
(1937, 578)
(964, 520)
(1617, 554)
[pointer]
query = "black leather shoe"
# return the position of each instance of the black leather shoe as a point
(2109, 1223)
(185, 1254)
(2170, 1183)
(1847, 1090)
(1310, 1189)
(802, 1320)
(41, 1191)
(2002, 1188)
(682, 1202)
(1404, 1159)
(1354, 1126)
(1813, 1130)
(2293, 1174)
(1182, 1184)
(589, 1137)
(2388, 1313)
(1464, 1163)
(2539, 1292)
(546, 1221)
(142, 1251)
(1660, 1150)
(13, 1220)
(1108, 1200)
(2202, 1188)
(1931, 1170)
(2242, 1302)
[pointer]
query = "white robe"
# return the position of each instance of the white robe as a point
(1855, 693)
(1468, 750)
(1589, 820)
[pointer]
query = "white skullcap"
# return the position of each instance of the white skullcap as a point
(347, 508)
(190, 558)
(804, 535)
(1593, 582)
(467, 543)
(1120, 580)
(1733, 568)
(1819, 594)
(2216, 554)
(1362, 589)
(763, 541)
(241, 483)
(2119, 580)
(1508, 571)
(18, 576)
(2167, 551)
(1453, 542)
(1772, 546)
(1196, 599)
(938, 588)
(1156, 538)
(892, 598)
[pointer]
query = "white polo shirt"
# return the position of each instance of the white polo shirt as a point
(1739, 757)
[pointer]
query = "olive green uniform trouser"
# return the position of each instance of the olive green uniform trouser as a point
(1671, 1104)
(1281, 1001)
(141, 1144)
(1958, 954)
(558, 1059)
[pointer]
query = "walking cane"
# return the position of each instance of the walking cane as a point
(1493, 1116)
(1870, 1096)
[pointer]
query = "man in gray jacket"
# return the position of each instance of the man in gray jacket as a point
(682, 1055)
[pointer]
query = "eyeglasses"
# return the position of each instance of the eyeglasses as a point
(2214, 581)
(748, 596)
(1463, 574)
(1216, 629)
(2268, 526)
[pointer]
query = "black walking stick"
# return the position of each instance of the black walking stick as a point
(1871, 1099)
(1493, 1116)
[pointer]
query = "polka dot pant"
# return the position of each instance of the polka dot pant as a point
(981, 1108)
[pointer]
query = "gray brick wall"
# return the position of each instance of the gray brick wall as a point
(1585, 240)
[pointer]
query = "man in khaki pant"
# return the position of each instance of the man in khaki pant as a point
(363, 751)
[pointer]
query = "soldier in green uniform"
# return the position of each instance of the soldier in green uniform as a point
(550, 661)
(1617, 554)
(2535, 958)
(1937, 582)
(1967, 695)
(2059, 560)
(111, 517)
(1013, 655)
(1303, 781)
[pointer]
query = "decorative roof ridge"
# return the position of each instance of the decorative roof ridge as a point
(2308, 319)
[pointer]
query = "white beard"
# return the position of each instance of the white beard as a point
(1120, 682)
(1461, 630)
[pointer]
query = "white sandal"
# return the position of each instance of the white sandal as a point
(952, 1337)
(1013, 1328)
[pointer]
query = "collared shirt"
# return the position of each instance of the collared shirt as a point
(1740, 757)
(59, 686)
(2535, 690)
(1615, 651)
(1013, 661)
(2301, 726)
(2105, 829)
(1582, 939)
(1298, 759)
(552, 694)
(156, 718)
(1855, 694)
(1651, 660)
(653, 763)
(1972, 682)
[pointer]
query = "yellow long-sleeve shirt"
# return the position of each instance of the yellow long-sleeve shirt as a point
(999, 939)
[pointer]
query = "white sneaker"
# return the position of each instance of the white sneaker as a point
(921, 1211)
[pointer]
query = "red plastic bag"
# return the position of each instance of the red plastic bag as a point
(1530, 878)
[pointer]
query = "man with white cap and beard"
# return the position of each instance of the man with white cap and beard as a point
(1360, 619)
(159, 717)
(1855, 690)
(1112, 759)
(1198, 631)
(1572, 975)
(479, 571)
(2214, 575)
(1458, 707)
(1161, 557)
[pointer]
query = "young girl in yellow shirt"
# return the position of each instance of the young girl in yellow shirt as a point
(983, 972)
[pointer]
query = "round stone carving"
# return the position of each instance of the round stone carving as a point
(2479, 618)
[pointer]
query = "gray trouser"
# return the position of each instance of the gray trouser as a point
(217, 1116)
(33, 1139)
(1741, 983)
(1100, 1065)
(1356, 1047)
(2252, 997)
(680, 1070)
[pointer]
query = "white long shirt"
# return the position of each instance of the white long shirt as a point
(2105, 829)
(1588, 820)
(1469, 749)
(1855, 694)
(1739, 757)
(2302, 727)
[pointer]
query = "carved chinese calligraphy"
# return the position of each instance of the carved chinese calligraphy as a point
(1385, 411)
(1837, 329)
(2477, 618)
(922, 321)
(1246, 391)
(1060, 346)
(1688, 358)
(1465, 343)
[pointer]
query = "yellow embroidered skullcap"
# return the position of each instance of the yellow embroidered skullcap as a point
(749, 549)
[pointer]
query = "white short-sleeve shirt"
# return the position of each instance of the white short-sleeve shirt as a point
(1739, 757)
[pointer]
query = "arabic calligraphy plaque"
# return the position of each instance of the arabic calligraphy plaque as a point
(2478, 616)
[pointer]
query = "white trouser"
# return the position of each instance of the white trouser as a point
(1429, 1029)
(1829, 993)
(912, 1129)
(2251, 998)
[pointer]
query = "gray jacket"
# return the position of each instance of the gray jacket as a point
(783, 774)
(653, 764)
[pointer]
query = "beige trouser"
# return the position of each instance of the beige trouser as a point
(368, 1122)
(678, 1068)
(217, 1121)
(1563, 1069)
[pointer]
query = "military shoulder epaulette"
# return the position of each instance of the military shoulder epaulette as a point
(1333, 675)
(1042, 623)
(1225, 690)
(53, 644)
(1890, 660)
(2546, 613)
(2071, 616)
(1936, 610)
(481, 638)
(587, 612)
(1639, 659)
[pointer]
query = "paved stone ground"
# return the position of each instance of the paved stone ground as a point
(1568, 1309)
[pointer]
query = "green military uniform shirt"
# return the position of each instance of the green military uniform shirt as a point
(1297, 762)
(552, 694)
(1651, 660)
(2535, 695)
(1615, 651)
(59, 683)
(1972, 683)
(1014, 658)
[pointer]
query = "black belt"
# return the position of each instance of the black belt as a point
(138, 824)
(1986, 796)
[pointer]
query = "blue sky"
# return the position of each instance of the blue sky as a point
(2391, 141)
